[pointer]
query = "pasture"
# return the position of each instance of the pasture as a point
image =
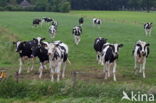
(117, 27)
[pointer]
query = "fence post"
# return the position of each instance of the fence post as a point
(74, 78)
(17, 77)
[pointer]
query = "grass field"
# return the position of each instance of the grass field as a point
(118, 27)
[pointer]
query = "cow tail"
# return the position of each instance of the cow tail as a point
(68, 61)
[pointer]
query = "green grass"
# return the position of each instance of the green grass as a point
(118, 26)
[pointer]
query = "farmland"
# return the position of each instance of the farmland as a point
(117, 27)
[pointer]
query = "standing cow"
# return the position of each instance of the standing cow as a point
(97, 22)
(98, 46)
(77, 31)
(148, 28)
(110, 54)
(81, 21)
(140, 52)
(25, 49)
(58, 55)
(37, 22)
(52, 31)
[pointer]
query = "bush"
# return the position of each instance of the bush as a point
(2, 9)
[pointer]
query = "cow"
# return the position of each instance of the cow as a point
(47, 19)
(52, 31)
(148, 28)
(58, 55)
(77, 31)
(110, 54)
(81, 20)
(37, 22)
(97, 21)
(54, 23)
(25, 48)
(140, 53)
(98, 46)
(42, 53)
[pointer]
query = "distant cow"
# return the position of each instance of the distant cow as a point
(77, 31)
(81, 20)
(97, 21)
(47, 19)
(141, 52)
(25, 49)
(52, 31)
(110, 55)
(148, 28)
(37, 22)
(58, 55)
(42, 53)
(98, 45)
(54, 23)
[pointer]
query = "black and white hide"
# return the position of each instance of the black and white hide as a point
(81, 21)
(148, 28)
(77, 31)
(140, 52)
(98, 46)
(58, 55)
(110, 54)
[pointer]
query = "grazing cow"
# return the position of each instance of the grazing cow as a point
(54, 23)
(47, 19)
(42, 53)
(97, 21)
(58, 54)
(98, 45)
(81, 20)
(25, 49)
(148, 28)
(52, 31)
(37, 22)
(110, 54)
(77, 31)
(141, 52)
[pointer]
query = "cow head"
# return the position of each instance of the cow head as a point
(115, 48)
(142, 47)
(51, 49)
(38, 40)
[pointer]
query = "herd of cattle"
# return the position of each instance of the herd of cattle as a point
(56, 53)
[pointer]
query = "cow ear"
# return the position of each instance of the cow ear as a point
(34, 39)
(147, 44)
(14, 42)
(111, 45)
(42, 39)
(138, 45)
(120, 45)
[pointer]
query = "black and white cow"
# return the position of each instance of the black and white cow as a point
(25, 49)
(97, 21)
(47, 19)
(37, 22)
(141, 52)
(58, 55)
(54, 23)
(98, 46)
(81, 20)
(77, 31)
(52, 31)
(110, 55)
(148, 28)
(42, 53)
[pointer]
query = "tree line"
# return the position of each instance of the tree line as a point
(36, 5)
(113, 4)
(67, 5)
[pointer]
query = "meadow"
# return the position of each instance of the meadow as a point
(118, 27)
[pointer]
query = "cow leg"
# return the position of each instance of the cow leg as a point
(79, 39)
(58, 68)
(28, 63)
(51, 70)
(32, 67)
(63, 70)
(75, 40)
(114, 71)
(150, 32)
(20, 64)
(146, 32)
(143, 68)
(45, 66)
(41, 70)
(105, 70)
(135, 66)
(108, 69)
